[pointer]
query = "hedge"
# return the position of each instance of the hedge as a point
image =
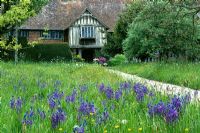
(48, 52)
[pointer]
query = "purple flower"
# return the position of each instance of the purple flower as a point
(160, 108)
(151, 94)
(78, 129)
(157, 109)
(28, 117)
(57, 95)
(171, 115)
(19, 103)
(57, 117)
(27, 122)
(105, 116)
(102, 118)
(169, 111)
(71, 98)
(87, 108)
(42, 114)
(52, 103)
(125, 85)
(151, 110)
(176, 102)
(102, 88)
(186, 99)
(83, 107)
(109, 93)
(16, 104)
(31, 113)
(118, 94)
(140, 91)
(12, 102)
(54, 98)
(83, 88)
(101, 60)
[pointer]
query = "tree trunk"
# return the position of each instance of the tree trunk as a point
(16, 50)
(16, 57)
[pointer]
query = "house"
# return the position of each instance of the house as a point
(83, 24)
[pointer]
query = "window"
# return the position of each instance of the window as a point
(87, 32)
(55, 35)
(24, 33)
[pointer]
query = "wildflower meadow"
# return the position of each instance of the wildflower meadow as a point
(86, 98)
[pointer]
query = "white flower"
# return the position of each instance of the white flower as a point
(105, 64)
(75, 127)
(95, 59)
(124, 121)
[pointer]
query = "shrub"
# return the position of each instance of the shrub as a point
(111, 48)
(48, 52)
(101, 60)
(77, 58)
(117, 60)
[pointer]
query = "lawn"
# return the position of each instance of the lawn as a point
(182, 74)
(60, 97)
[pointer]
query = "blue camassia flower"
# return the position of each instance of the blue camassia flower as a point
(140, 91)
(16, 103)
(57, 117)
(78, 129)
(72, 97)
(87, 108)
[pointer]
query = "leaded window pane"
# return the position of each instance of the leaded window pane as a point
(87, 32)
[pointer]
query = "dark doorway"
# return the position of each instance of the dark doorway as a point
(88, 54)
(66, 34)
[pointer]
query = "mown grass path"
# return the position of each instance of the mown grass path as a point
(181, 74)
(159, 86)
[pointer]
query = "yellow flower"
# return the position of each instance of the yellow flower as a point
(129, 129)
(60, 129)
(140, 129)
(116, 126)
(186, 129)
(105, 131)
(91, 113)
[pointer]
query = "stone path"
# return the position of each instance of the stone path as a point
(159, 86)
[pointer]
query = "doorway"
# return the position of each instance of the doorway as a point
(88, 54)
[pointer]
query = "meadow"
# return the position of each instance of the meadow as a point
(78, 97)
(182, 74)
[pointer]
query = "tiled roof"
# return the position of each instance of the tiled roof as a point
(59, 15)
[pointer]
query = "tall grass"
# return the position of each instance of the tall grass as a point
(182, 74)
(35, 83)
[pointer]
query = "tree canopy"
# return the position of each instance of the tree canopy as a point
(15, 12)
(12, 14)
(159, 28)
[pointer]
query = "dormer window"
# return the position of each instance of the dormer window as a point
(87, 32)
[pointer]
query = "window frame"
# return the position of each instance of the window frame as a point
(52, 35)
(87, 32)
(24, 33)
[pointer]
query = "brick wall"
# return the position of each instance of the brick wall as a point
(35, 36)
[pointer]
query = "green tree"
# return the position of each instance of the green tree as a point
(13, 14)
(114, 45)
(162, 29)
